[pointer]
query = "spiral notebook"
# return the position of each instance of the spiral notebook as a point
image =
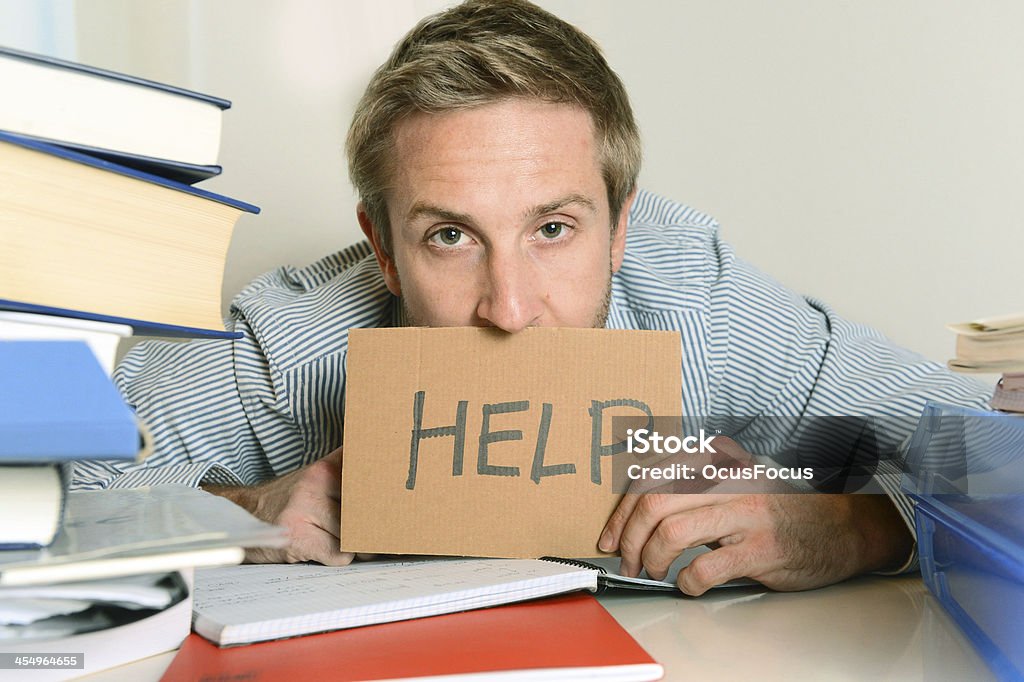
(254, 603)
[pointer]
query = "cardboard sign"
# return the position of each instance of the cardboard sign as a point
(475, 442)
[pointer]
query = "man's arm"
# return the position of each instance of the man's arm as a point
(771, 353)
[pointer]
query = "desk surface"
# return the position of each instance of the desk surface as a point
(865, 629)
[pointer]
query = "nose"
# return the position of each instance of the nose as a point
(510, 298)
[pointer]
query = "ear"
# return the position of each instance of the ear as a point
(619, 238)
(384, 259)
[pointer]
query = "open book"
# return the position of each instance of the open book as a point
(110, 533)
(255, 603)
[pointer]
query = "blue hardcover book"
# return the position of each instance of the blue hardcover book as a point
(38, 145)
(91, 235)
(139, 327)
(57, 404)
(56, 99)
(185, 173)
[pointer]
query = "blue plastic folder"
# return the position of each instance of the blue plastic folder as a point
(965, 470)
(57, 404)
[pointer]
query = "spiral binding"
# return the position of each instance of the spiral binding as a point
(601, 584)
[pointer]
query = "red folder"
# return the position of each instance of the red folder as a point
(566, 637)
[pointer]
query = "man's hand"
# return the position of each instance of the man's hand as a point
(785, 541)
(308, 503)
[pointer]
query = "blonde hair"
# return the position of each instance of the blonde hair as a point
(480, 52)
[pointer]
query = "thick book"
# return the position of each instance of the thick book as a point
(564, 638)
(1006, 347)
(57, 403)
(117, 532)
(185, 173)
(989, 345)
(54, 99)
(31, 504)
(80, 233)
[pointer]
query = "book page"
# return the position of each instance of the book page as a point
(140, 521)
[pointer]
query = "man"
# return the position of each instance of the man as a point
(496, 159)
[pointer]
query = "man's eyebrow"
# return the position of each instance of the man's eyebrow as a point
(424, 210)
(561, 203)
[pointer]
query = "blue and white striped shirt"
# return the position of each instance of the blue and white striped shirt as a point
(238, 412)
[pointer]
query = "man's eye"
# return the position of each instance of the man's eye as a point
(448, 236)
(552, 230)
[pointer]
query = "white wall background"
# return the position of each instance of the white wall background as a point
(869, 153)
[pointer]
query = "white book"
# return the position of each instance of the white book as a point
(31, 501)
(63, 101)
(991, 326)
(254, 603)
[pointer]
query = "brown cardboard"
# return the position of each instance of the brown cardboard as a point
(558, 371)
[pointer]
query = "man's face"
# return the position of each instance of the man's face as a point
(499, 217)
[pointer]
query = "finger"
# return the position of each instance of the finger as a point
(609, 541)
(715, 568)
(683, 530)
(315, 544)
(648, 512)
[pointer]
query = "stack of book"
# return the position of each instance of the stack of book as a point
(103, 237)
(94, 221)
(115, 585)
(994, 345)
(57, 405)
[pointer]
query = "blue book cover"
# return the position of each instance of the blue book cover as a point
(139, 327)
(57, 404)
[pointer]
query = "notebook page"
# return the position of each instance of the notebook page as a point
(259, 602)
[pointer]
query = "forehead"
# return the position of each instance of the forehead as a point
(503, 147)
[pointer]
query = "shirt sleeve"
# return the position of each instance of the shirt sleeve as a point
(239, 412)
(213, 409)
(790, 360)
